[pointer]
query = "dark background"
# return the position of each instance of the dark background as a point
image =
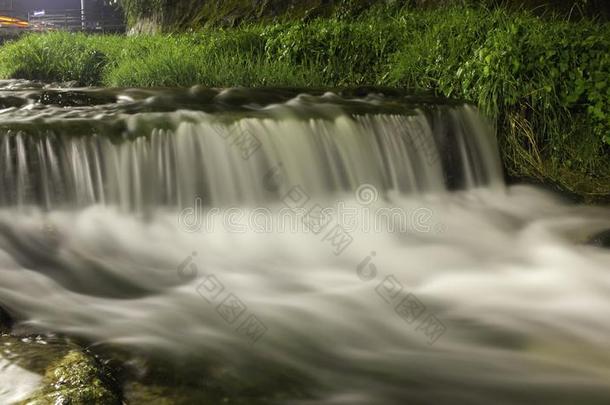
(21, 8)
(25, 6)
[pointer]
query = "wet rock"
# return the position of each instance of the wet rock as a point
(159, 380)
(51, 370)
(23, 361)
(73, 98)
(6, 322)
(137, 393)
(74, 380)
(12, 101)
(601, 239)
(33, 353)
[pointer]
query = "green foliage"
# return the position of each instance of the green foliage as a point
(545, 82)
(347, 53)
(76, 379)
(60, 57)
(209, 58)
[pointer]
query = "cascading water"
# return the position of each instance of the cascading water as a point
(325, 248)
(172, 158)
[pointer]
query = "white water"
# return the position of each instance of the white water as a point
(17, 384)
(523, 301)
(173, 158)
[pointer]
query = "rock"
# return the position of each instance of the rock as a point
(76, 379)
(58, 371)
(6, 322)
(137, 393)
(23, 361)
(601, 239)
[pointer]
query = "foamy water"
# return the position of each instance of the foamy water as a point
(195, 234)
(17, 383)
(522, 304)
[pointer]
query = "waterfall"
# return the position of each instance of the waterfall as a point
(172, 158)
(160, 222)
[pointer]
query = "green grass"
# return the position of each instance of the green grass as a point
(545, 82)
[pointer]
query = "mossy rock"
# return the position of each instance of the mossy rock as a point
(74, 380)
(23, 361)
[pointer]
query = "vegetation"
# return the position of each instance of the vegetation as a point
(76, 379)
(171, 15)
(545, 82)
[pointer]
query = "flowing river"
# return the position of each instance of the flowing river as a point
(357, 247)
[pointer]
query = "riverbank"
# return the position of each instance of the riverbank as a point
(544, 82)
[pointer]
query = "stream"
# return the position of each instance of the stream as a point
(297, 246)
